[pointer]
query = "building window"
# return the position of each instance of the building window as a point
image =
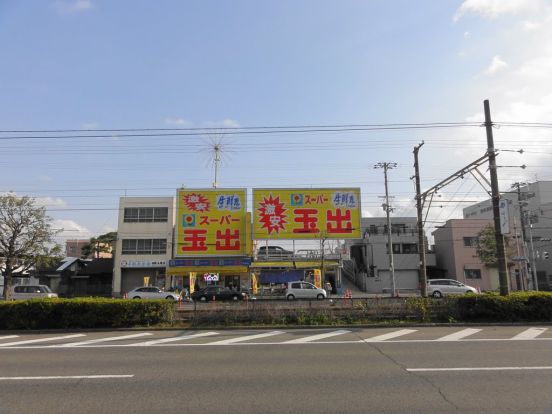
(470, 241)
(472, 273)
(373, 229)
(396, 248)
(398, 228)
(410, 248)
(146, 214)
(144, 246)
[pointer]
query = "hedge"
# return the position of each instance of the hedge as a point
(84, 313)
(516, 307)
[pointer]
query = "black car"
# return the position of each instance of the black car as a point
(217, 293)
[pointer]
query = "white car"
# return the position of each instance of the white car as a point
(304, 290)
(441, 287)
(32, 292)
(151, 292)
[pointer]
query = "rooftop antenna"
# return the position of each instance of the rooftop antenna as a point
(217, 149)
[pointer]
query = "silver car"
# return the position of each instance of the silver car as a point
(441, 287)
(151, 292)
(32, 292)
(304, 290)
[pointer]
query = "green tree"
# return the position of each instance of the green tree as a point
(104, 243)
(486, 247)
(26, 238)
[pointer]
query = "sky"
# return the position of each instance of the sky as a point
(96, 65)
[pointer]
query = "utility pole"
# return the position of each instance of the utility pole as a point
(499, 238)
(421, 236)
(534, 266)
(517, 186)
(386, 166)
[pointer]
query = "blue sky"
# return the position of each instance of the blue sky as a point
(93, 64)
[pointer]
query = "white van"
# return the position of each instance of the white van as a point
(304, 290)
(32, 292)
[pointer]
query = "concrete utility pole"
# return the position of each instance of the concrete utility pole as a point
(499, 238)
(386, 166)
(534, 266)
(421, 238)
(517, 185)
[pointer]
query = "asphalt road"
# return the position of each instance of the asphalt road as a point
(343, 374)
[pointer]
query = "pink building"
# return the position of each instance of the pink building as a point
(455, 250)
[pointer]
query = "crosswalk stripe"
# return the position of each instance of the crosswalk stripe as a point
(111, 338)
(8, 337)
(311, 338)
(459, 335)
(530, 333)
(390, 335)
(174, 339)
(32, 341)
(245, 338)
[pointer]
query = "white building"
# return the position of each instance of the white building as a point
(144, 242)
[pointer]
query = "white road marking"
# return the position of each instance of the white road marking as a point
(530, 333)
(53, 377)
(459, 335)
(390, 335)
(245, 338)
(8, 336)
(111, 338)
(311, 338)
(476, 369)
(174, 339)
(32, 341)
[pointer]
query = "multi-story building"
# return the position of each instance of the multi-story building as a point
(144, 242)
(371, 255)
(455, 251)
(73, 247)
(535, 205)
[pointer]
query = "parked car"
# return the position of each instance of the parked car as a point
(151, 292)
(273, 252)
(32, 292)
(441, 287)
(217, 293)
(304, 290)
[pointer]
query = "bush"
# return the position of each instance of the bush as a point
(84, 313)
(516, 307)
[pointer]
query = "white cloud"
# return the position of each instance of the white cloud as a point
(90, 125)
(45, 178)
(73, 7)
(493, 8)
(225, 123)
(467, 35)
(529, 26)
(496, 65)
(180, 122)
(71, 229)
(50, 202)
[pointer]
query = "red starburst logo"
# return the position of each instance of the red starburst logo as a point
(271, 214)
(196, 202)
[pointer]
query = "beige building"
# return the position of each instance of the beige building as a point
(144, 242)
(455, 249)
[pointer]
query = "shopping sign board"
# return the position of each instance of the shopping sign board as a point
(323, 213)
(211, 222)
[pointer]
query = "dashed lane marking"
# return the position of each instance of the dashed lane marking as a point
(33, 341)
(456, 336)
(311, 338)
(57, 377)
(476, 369)
(245, 338)
(530, 333)
(173, 339)
(390, 335)
(109, 339)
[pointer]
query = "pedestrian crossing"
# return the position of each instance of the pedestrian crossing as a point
(274, 337)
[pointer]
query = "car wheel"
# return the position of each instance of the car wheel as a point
(170, 298)
(437, 294)
(468, 291)
(203, 299)
(290, 297)
(136, 297)
(320, 296)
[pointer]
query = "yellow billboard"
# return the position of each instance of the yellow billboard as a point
(313, 213)
(211, 222)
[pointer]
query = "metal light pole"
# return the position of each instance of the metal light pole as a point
(386, 166)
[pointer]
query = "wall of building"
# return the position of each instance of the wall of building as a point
(129, 269)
